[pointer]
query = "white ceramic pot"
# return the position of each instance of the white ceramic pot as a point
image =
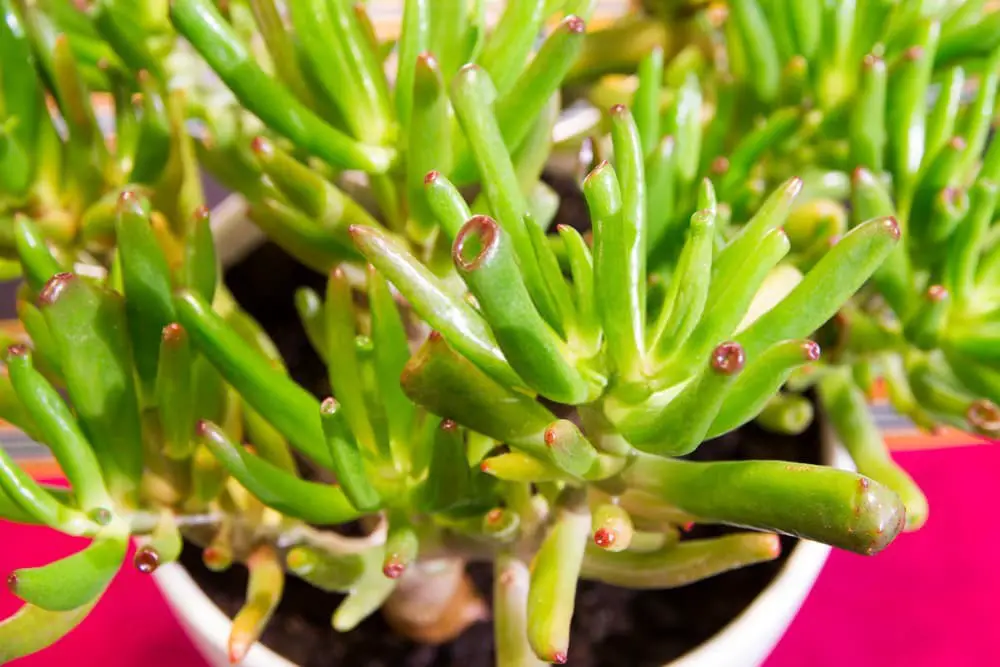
(745, 642)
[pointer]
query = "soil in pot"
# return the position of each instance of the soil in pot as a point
(611, 626)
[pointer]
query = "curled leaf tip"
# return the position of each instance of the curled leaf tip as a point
(728, 358)
(984, 415)
(54, 287)
(431, 177)
(393, 567)
(811, 350)
(261, 146)
(475, 240)
(604, 538)
(720, 165)
(937, 293)
(575, 24)
(147, 559)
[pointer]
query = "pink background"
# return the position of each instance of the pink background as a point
(931, 600)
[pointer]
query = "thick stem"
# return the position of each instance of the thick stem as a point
(434, 602)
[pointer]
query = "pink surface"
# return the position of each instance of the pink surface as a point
(932, 599)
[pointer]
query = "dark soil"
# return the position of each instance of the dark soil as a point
(612, 627)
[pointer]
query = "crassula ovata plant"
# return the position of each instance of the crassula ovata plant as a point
(527, 402)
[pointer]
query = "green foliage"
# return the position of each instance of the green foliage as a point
(498, 392)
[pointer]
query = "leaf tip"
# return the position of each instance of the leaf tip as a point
(146, 560)
(54, 287)
(728, 358)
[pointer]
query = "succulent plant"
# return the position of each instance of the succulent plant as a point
(448, 443)
(884, 109)
(59, 169)
(337, 141)
(500, 394)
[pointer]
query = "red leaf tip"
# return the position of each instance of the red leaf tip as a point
(393, 567)
(811, 350)
(261, 146)
(720, 165)
(728, 358)
(575, 24)
(937, 293)
(559, 658)
(54, 287)
(604, 538)
(146, 560)
(892, 226)
(431, 177)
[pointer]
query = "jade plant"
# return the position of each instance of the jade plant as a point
(499, 394)
(59, 168)
(885, 109)
(447, 454)
(340, 137)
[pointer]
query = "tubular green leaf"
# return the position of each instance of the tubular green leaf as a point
(322, 504)
(204, 27)
(680, 564)
(76, 580)
(818, 503)
(146, 280)
(348, 461)
(837, 276)
(464, 328)
(88, 325)
(430, 146)
(484, 257)
(758, 43)
(845, 406)
(907, 108)
(868, 131)
(555, 570)
(473, 95)
(507, 49)
(450, 386)
(344, 367)
(282, 402)
(174, 395)
(760, 381)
